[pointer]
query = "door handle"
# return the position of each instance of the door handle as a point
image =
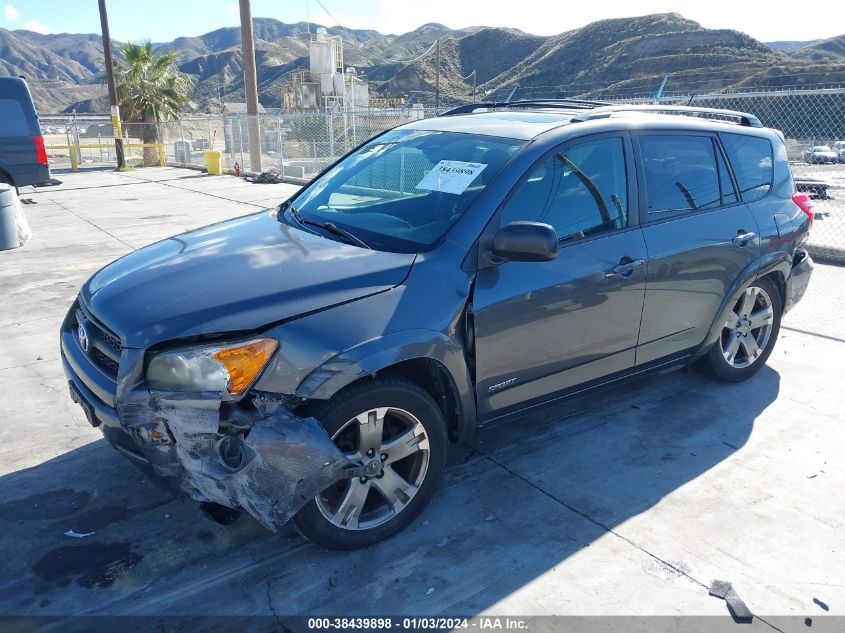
(742, 238)
(625, 268)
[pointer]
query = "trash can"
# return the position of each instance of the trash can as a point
(182, 151)
(214, 162)
(8, 224)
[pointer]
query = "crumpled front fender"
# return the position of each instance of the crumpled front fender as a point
(270, 462)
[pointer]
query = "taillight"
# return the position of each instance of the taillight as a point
(40, 151)
(802, 200)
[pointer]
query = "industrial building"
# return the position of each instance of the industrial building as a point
(328, 86)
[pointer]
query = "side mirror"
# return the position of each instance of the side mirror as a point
(526, 242)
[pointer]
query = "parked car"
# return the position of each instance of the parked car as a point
(839, 148)
(821, 154)
(96, 130)
(314, 362)
(817, 188)
(23, 156)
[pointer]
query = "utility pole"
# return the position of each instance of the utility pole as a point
(437, 81)
(115, 109)
(473, 84)
(250, 85)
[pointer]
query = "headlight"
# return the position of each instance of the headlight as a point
(227, 369)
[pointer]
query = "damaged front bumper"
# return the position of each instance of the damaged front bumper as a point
(257, 455)
(264, 458)
(268, 461)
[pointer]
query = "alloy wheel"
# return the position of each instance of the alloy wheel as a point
(397, 441)
(747, 329)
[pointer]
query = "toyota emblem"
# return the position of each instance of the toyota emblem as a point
(84, 341)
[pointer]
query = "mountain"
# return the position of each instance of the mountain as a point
(264, 30)
(25, 53)
(62, 68)
(628, 56)
(832, 49)
(86, 50)
(790, 45)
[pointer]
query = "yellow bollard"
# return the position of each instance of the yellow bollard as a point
(73, 163)
(160, 155)
(214, 163)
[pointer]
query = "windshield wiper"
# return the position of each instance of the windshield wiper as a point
(287, 206)
(326, 226)
(295, 214)
(333, 228)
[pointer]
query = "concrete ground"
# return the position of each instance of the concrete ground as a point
(629, 503)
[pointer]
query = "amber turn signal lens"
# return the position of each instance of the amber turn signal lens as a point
(244, 362)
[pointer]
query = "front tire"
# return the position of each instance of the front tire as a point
(748, 334)
(391, 420)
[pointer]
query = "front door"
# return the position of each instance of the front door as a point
(543, 328)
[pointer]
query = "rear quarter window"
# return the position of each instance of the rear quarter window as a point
(753, 164)
(13, 120)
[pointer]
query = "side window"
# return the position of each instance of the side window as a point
(533, 195)
(752, 162)
(12, 119)
(681, 174)
(581, 190)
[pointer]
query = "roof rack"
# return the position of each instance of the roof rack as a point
(564, 104)
(742, 118)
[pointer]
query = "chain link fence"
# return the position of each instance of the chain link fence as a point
(300, 145)
(85, 141)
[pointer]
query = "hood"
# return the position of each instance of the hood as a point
(237, 275)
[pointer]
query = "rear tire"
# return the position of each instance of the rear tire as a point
(748, 335)
(387, 419)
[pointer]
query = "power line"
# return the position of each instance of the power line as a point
(587, 87)
(404, 62)
(372, 52)
(322, 6)
(729, 75)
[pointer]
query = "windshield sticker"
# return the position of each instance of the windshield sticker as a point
(451, 176)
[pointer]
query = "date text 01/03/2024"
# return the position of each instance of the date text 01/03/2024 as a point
(421, 623)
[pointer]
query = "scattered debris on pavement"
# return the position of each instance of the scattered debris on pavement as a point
(270, 177)
(724, 590)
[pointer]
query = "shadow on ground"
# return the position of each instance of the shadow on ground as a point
(520, 501)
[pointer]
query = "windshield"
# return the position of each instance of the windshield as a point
(402, 191)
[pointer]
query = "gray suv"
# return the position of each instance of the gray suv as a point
(314, 362)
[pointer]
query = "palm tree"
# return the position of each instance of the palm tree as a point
(150, 89)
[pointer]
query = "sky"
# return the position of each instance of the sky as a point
(164, 20)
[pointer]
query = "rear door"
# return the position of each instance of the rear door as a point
(544, 328)
(699, 236)
(18, 129)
